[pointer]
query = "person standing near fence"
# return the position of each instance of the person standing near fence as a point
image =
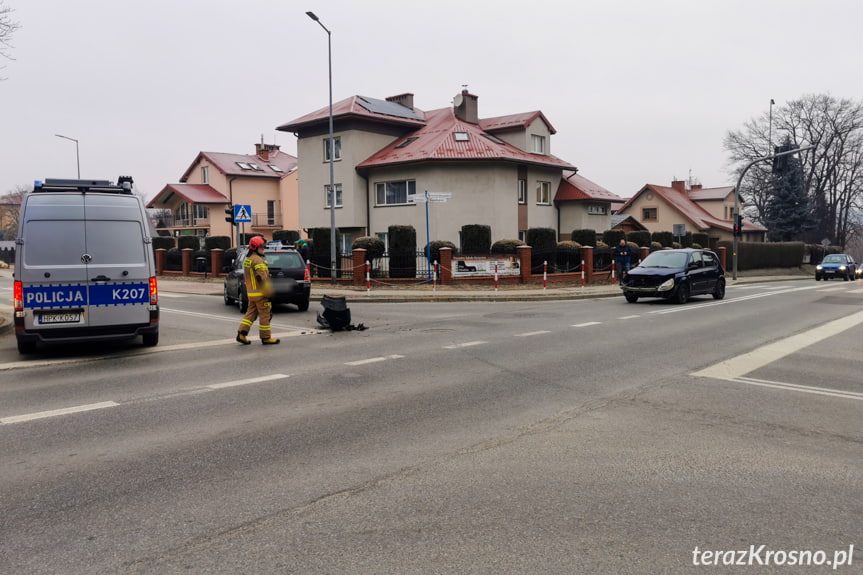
(622, 257)
(258, 289)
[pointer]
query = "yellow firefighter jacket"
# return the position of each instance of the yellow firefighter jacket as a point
(257, 276)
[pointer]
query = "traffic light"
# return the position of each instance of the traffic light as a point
(229, 214)
(738, 225)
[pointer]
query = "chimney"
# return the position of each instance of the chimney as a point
(694, 187)
(264, 151)
(679, 185)
(466, 107)
(406, 100)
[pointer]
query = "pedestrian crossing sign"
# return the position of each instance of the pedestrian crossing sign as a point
(242, 213)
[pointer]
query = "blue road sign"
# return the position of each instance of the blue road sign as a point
(242, 213)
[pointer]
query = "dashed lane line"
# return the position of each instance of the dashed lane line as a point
(587, 324)
(373, 360)
(465, 344)
(532, 333)
(57, 412)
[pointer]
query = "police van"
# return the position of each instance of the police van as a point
(84, 268)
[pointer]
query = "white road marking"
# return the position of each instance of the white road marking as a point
(57, 412)
(532, 333)
(465, 344)
(225, 384)
(801, 388)
(586, 324)
(172, 295)
(855, 291)
(733, 368)
(730, 300)
(373, 360)
(628, 316)
(837, 288)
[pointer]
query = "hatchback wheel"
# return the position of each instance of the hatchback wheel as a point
(228, 299)
(682, 293)
(243, 301)
(630, 297)
(719, 290)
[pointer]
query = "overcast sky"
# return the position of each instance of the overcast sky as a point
(639, 92)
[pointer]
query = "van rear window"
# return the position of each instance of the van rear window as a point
(54, 243)
(115, 242)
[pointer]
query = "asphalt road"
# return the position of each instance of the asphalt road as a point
(590, 436)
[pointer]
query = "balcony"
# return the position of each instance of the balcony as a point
(267, 221)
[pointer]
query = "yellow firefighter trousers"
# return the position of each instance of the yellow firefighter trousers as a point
(261, 309)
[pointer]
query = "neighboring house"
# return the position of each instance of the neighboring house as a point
(10, 207)
(706, 210)
(497, 171)
(626, 223)
(265, 181)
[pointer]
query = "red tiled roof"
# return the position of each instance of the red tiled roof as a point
(227, 164)
(711, 193)
(192, 193)
(436, 141)
(352, 107)
(576, 187)
(514, 121)
(700, 217)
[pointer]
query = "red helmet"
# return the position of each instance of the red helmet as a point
(256, 242)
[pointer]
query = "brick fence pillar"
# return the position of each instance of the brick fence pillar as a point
(359, 264)
(160, 261)
(587, 258)
(187, 261)
(643, 252)
(216, 261)
(445, 266)
(524, 258)
(721, 253)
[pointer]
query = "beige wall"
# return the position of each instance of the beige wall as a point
(574, 216)
(667, 216)
(722, 209)
(521, 138)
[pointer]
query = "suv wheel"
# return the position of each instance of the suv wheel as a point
(682, 294)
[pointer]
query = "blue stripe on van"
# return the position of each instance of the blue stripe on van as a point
(76, 295)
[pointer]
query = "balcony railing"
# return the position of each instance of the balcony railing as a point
(170, 221)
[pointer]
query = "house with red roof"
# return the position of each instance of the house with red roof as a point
(705, 210)
(214, 181)
(495, 171)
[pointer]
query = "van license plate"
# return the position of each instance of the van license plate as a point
(67, 317)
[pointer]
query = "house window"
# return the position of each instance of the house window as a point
(338, 195)
(201, 212)
(522, 235)
(345, 243)
(337, 145)
(271, 212)
(460, 136)
(597, 209)
(537, 144)
(543, 193)
(522, 191)
(648, 214)
(205, 174)
(385, 238)
(394, 193)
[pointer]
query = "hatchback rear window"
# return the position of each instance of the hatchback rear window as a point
(284, 260)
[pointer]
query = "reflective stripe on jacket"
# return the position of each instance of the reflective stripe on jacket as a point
(257, 275)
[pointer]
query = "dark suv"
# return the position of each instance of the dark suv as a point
(288, 272)
(675, 275)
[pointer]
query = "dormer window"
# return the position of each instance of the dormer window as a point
(460, 136)
(407, 142)
(537, 144)
(276, 168)
(256, 167)
(244, 166)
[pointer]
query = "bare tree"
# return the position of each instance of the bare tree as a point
(10, 211)
(7, 28)
(832, 171)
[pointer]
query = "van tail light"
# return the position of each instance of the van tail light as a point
(307, 275)
(154, 291)
(18, 296)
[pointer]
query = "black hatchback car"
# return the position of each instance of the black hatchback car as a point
(288, 273)
(675, 275)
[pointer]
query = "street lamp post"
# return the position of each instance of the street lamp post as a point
(77, 157)
(332, 151)
(737, 198)
(770, 130)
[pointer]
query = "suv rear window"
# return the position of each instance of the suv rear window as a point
(281, 260)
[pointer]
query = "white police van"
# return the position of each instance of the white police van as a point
(84, 268)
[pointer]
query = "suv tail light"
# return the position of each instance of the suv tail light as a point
(307, 275)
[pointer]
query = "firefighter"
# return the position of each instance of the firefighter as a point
(258, 290)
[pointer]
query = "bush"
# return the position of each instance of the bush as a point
(509, 246)
(436, 245)
(584, 237)
(700, 238)
(640, 238)
(188, 242)
(373, 245)
(163, 243)
(665, 239)
(403, 251)
(475, 239)
(217, 242)
(613, 237)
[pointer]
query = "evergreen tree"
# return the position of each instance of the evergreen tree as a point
(788, 215)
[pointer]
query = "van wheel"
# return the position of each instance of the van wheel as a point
(151, 339)
(25, 347)
(242, 301)
(303, 305)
